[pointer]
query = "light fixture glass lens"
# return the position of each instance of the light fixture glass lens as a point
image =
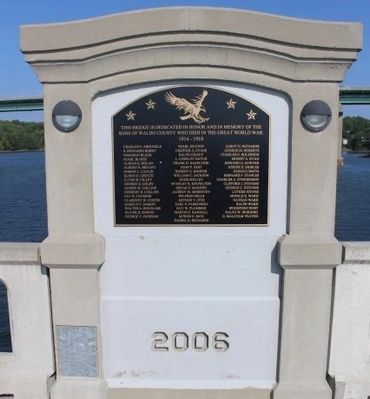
(316, 121)
(66, 121)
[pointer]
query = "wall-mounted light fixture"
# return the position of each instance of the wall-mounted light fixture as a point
(316, 116)
(67, 116)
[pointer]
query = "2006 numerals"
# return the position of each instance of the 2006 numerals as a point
(181, 342)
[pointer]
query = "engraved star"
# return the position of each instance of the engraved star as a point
(150, 104)
(251, 115)
(130, 116)
(231, 104)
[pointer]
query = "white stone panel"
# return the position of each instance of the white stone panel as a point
(190, 278)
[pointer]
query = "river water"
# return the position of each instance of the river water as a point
(353, 199)
(23, 207)
(22, 197)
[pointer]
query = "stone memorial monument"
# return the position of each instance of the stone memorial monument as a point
(191, 173)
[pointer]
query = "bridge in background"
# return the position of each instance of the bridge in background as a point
(354, 95)
(21, 104)
(347, 96)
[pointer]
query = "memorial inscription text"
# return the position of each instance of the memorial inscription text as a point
(191, 155)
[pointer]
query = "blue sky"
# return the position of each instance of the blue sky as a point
(18, 80)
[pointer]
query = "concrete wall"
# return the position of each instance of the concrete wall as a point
(25, 371)
(349, 363)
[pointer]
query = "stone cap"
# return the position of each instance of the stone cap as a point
(357, 252)
(73, 251)
(77, 34)
(19, 253)
(306, 251)
(168, 39)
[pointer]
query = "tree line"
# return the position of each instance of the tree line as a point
(356, 133)
(16, 135)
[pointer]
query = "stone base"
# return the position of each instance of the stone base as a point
(23, 388)
(188, 394)
(78, 388)
(294, 390)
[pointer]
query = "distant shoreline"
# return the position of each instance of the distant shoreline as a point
(360, 152)
(14, 151)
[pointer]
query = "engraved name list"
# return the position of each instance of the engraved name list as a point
(191, 155)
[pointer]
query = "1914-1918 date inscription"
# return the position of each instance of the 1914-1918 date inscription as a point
(191, 155)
